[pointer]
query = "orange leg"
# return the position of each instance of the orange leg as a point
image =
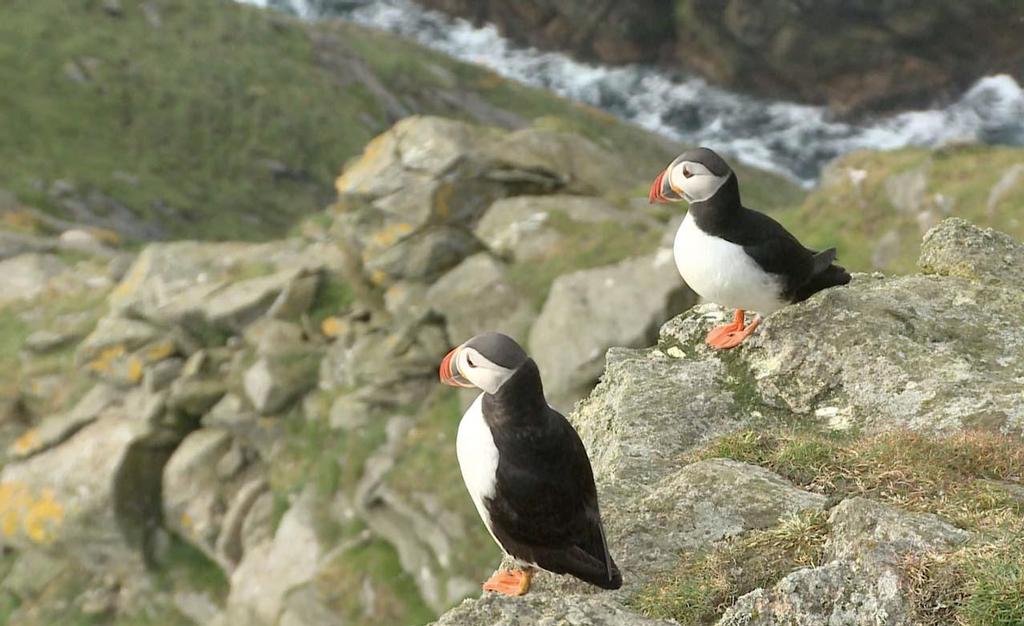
(515, 582)
(731, 335)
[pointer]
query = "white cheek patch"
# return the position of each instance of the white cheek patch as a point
(485, 374)
(701, 184)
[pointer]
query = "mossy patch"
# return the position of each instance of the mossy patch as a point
(704, 584)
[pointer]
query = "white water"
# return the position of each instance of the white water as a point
(792, 139)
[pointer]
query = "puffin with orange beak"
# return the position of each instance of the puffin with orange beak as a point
(735, 256)
(526, 470)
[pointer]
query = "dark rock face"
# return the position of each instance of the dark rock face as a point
(855, 57)
(606, 30)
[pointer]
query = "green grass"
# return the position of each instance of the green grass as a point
(854, 217)
(958, 477)
(177, 123)
(396, 599)
(333, 297)
(705, 584)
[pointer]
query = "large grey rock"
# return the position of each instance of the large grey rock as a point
(476, 297)
(424, 256)
(96, 497)
(524, 227)
(589, 311)
(922, 352)
(270, 570)
(273, 382)
(55, 429)
(958, 248)
(205, 505)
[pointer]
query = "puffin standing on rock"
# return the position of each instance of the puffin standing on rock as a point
(732, 255)
(526, 469)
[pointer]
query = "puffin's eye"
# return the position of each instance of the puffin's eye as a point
(686, 172)
(469, 360)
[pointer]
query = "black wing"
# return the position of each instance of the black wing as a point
(777, 251)
(545, 510)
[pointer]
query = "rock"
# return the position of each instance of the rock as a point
(240, 303)
(193, 503)
(27, 276)
(917, 352)
(423, 257)
(523, 227)
(272, 383)
(116, 332)
(200, 283)
(613, 33)
(31, 572)
(55, 429)
(96, 496)
(261, 582)
(43, 341)
(533, 608)
(476, 297)
(591, 310)
(870, 532)
(957, 248)
(861, 584)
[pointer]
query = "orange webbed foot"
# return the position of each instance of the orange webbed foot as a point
(514, 582)
(731, 335)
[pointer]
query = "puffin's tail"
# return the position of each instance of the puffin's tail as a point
(824, 275)
(578, 562)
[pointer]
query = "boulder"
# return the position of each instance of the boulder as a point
(476, 297)
(96, 496)
(955, 247)
(26, 276)
(589, 311)
(524, 227)
(272, 383)
(270, 570)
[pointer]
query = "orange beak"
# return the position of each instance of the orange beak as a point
(661, 192)
(449, 371)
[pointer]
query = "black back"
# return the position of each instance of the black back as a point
(544, 509)
(775, 249)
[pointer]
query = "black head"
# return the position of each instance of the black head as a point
(486, 361)
(695, 176)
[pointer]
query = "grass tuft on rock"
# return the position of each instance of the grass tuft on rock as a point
(705, 584)
(972, 479)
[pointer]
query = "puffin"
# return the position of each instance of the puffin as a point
(735, 256)
(526, 470)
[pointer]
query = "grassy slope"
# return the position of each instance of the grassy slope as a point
(854, 216)
(194, 108)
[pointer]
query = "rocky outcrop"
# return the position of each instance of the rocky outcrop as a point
(653, 406)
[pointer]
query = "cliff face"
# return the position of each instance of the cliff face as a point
(801, 479)
(854, 57)
(252, 433)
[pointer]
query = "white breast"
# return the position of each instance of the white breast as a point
(721, 272)
(478, 459)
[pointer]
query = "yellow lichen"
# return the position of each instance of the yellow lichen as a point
(159, 351)
(378, 277)
(186, 521)
(26, 443)
(44, 516)
(38, 517)
(332, 326)
(130, 283)
(347, 181)
(135, 369)
(106, 236)
(106, 358)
